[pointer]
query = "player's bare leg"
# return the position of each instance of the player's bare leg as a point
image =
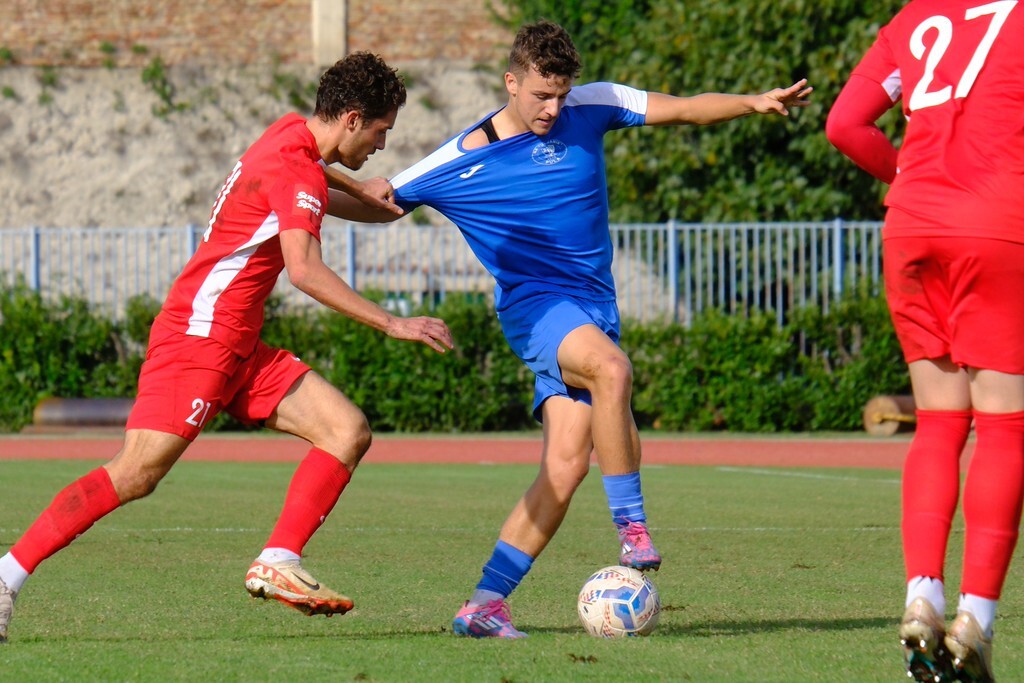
(134, 472)
(533, 522)
(940, 384)
(931, 483)
(992, 498)
(147, 456)
(316, 411)
(589, 359)
(996, 392)
(565, 462)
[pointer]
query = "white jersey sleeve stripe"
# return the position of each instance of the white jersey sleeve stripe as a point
(447, 152)
(610, 94)
(222, 274)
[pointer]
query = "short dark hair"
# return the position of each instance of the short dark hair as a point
(547, 47)
(361, 82)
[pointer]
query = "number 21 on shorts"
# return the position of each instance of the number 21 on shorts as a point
(922, 97)
(200, 409)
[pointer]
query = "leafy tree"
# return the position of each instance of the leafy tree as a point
(752, 169)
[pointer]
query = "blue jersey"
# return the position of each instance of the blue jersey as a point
(534, 209)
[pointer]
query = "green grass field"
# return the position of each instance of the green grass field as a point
(770, 575)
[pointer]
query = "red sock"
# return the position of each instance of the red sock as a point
(73, 510)
(992, 502)
(315, 488)
(931, 485)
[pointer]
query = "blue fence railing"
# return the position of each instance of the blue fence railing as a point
(662, 271)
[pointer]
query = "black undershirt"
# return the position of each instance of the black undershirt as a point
(488, 128)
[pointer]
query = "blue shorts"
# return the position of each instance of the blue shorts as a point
(535, 328)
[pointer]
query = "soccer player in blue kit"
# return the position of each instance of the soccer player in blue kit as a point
(526, 187)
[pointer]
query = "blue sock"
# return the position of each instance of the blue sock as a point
(625, 500)
(504, 570)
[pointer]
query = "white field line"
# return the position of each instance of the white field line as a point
(660, 529)
(147, 530)
(802, 475)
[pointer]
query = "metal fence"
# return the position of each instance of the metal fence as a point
(663, 271)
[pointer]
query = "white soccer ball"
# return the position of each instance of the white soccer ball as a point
(618, 602)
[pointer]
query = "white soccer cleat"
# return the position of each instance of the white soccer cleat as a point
(924, 654)
(7, 597)
(970, 650)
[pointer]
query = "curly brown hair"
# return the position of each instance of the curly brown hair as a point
(547, 47)
(362, 82)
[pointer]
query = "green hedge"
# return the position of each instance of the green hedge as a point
(402, 386)
(738, 373)
(745, 373)
(58, 349)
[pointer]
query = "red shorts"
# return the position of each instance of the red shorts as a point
(186, 380)
(961, 297)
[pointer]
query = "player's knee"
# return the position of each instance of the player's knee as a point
(134, 484)
(567, 474)
(348, 440)
(362, 437)
(616, 377)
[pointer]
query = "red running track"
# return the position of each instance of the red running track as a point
(742, 451)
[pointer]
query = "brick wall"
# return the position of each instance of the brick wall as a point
(132, 32)
(403, 30)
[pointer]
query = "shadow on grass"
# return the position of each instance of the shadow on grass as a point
(707, 629)
(730, 628)
(711, 629)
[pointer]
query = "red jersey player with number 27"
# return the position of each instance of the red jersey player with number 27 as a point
(205, 355)
(954, 281)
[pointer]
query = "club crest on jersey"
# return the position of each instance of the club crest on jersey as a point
(549, 153)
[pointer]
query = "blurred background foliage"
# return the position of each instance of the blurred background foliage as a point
(758, 168)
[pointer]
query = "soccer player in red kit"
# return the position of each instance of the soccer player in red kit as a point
(954, 278)
(205, 354)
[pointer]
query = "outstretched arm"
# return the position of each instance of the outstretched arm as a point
(851, 127)
(376, 193)
(308, 273)
(708, 108)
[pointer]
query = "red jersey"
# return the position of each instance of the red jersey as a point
(278, 184)
(960, 73)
